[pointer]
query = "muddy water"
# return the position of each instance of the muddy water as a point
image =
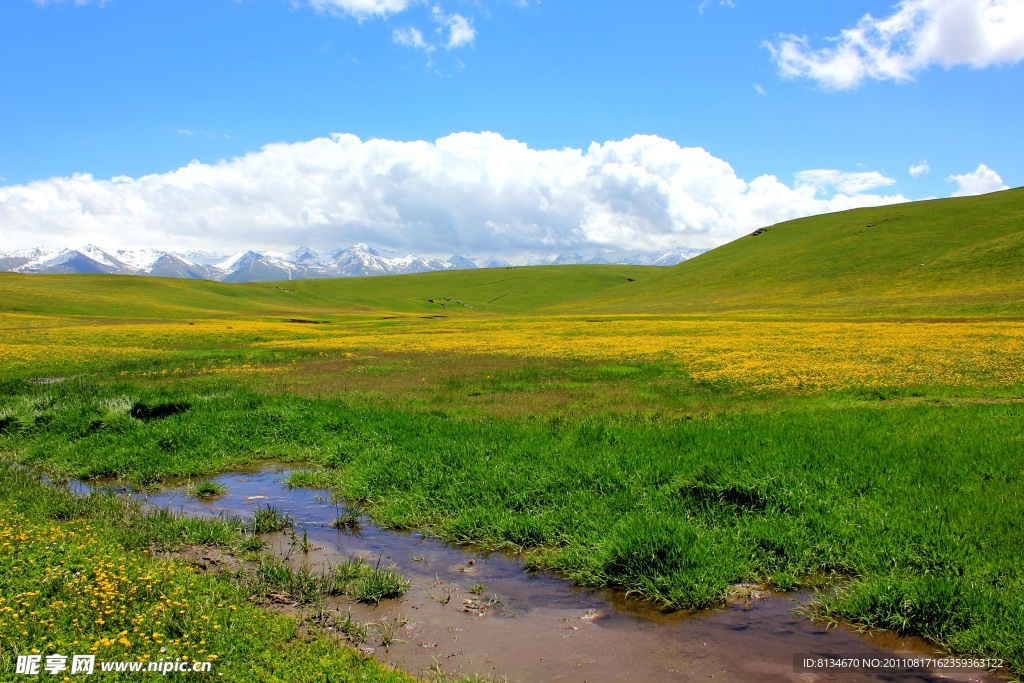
(473, 613)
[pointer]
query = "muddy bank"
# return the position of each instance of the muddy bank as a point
(472, 613)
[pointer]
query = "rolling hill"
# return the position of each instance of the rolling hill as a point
(945, 257)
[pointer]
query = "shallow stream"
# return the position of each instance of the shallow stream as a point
(521, 626)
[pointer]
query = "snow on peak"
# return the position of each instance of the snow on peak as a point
(97, 254)
(302, 255)
(35, 253)
(237, 260)
(142, 260)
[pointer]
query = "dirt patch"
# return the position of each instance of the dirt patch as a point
(494, 385)
(204, 558)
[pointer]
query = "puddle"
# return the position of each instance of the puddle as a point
(544, 628)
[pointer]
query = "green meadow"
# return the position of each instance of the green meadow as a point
(618, 425)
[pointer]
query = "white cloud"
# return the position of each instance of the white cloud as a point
(918, 170)
(411, 37)
(825, 180)
(460, 31)
(360, 9)
(981, 181)
(475, 193)
(724, 3)
(919, 34)
(760, 89)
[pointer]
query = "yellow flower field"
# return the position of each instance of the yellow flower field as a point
(93, 600)
(757, 355)
(807, 356)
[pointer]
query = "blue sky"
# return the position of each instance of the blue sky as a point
(131, 89)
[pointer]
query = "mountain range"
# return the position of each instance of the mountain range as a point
(302, 263)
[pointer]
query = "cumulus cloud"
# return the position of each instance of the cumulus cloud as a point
(980, 181)
(360, 9)
(826, 180)
(475, 193)
(918, 170)
(919, 34)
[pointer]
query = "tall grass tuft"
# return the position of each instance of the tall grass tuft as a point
(268, 518)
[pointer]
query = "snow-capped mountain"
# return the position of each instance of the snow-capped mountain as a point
(362, 259)
(668, 258)
(302, 263)
(139, 259)
(87, 259)
(671, 257)
(304, 256)
(203, 258)
(13, 260)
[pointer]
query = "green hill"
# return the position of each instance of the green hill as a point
(945, 257)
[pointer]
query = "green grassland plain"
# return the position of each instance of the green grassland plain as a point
(835, 402)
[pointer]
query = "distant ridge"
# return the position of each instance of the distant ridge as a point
(359, 260)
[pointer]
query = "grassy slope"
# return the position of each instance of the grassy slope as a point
(496, 290)
(944, 257)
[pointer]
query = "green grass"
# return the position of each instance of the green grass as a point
(208, 488)
(302, 585)
(354, 578)
(268, 518)
(380, 583)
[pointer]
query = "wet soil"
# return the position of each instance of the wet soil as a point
(472, 613)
